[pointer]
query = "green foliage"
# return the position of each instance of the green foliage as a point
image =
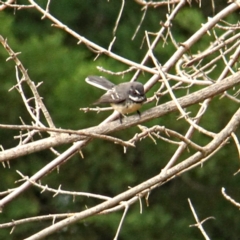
(189, 19)
(56, 60)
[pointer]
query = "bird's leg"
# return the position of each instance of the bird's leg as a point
(139, 114)
(120, 118)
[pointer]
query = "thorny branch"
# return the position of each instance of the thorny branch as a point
(199, 224)
(189, 71)
(148, 115)
(150, 184)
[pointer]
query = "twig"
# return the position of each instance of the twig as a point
(149, 184)
(88, 134)
(118, 18)
(122, 219)
(155, 129)
(59, 191)
(107, 128)
(17, 6)
(230, 199)
(156, 4)
(32, 86)
(15, 223)
(141, 21)
(92, 46)
(199, 224)
(96, 109)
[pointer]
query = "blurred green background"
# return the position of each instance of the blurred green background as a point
(54, 58)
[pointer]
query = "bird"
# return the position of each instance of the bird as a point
(125, 97)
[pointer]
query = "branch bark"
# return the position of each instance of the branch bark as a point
(130, 121)
(150, 184)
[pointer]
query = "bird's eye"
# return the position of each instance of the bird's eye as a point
(134, 92)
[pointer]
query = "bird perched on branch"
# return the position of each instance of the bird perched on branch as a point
(125, 97)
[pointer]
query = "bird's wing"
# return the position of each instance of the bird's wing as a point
(99, 82)
(115, 95)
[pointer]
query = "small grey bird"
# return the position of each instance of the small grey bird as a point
(125, 97)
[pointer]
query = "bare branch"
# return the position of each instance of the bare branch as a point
(122, 219)
(191, 68)
(149, 184)
(199, 224)
(119, 17)
(59, 191)
(156, 4)
(26, 78)
(230, 199)
(107, 128)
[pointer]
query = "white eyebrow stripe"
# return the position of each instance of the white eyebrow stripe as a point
(117, 95)
(112, 96)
